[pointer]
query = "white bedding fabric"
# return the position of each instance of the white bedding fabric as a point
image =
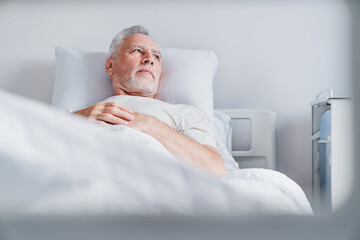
(52, 162)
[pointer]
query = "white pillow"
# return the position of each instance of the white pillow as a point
(223, 132)
(223, 128)
(81, 80)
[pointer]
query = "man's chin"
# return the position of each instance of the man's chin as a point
(149, 86)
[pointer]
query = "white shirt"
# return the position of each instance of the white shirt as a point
(185, 119)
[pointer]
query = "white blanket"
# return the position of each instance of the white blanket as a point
(52, 162)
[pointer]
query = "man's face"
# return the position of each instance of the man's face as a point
(136, 68)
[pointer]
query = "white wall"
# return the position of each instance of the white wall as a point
(275, 55)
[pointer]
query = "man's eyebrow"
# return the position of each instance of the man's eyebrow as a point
(156, 51)
(136, 46)
(142, 47)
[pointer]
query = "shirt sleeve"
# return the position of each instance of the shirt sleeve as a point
(196, 125)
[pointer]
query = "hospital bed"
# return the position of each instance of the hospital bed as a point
(85, 190)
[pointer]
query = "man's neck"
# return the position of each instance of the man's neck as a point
(120, 91)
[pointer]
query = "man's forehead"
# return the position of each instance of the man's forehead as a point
(142, 41)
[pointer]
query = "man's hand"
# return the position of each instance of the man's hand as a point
(108, 113)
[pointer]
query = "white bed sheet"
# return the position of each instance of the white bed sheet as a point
(52, 162)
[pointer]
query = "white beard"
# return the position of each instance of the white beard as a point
(136, 84)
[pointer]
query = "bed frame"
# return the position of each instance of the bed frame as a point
(262, 152)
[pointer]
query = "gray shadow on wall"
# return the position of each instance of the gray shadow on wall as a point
(34, 80)
(294, 140)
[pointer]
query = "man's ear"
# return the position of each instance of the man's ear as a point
(109, 66)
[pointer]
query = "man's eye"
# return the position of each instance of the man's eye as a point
(157, 57)
(137, 50)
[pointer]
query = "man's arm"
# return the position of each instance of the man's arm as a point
(180, 145)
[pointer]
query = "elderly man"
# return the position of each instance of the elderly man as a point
(134, 66)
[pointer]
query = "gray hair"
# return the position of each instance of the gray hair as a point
(117, 40)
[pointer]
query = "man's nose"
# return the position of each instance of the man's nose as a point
(148, 58)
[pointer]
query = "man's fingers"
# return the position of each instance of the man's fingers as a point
(108, 112)
(118, 105)
(109, 118)
(119, 113)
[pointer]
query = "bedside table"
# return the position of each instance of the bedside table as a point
(332, 151)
